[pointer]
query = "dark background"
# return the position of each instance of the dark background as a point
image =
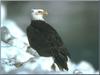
(75, 21)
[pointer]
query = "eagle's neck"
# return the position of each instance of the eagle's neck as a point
(37, 17)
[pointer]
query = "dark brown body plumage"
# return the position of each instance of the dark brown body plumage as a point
(47, 42)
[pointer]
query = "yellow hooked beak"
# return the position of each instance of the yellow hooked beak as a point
(45, 13)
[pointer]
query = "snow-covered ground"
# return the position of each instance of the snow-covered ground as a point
(17, 58)
(41, 65)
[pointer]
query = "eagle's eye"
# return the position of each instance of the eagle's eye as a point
(39, 11)
(32, 10)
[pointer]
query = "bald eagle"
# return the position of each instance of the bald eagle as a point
(45, 39)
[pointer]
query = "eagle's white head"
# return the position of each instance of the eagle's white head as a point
(37, 14)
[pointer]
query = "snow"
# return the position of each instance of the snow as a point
(19, 59)
(84, 66)
(11, 55)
